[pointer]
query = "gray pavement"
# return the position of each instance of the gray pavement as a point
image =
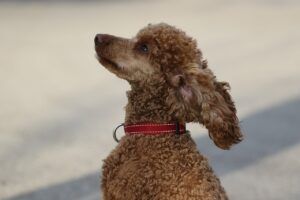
(58, 105)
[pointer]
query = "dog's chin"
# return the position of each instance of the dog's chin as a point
(113, 67)
(108, 63)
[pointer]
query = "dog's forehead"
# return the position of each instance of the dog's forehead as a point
(170, 44)
(157, 30)
(165, 35)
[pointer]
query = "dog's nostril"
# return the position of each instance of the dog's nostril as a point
(101, 39)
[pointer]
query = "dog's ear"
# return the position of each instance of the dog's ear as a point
(219, 116)
(211, 103)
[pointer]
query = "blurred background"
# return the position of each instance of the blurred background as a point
(58, 106)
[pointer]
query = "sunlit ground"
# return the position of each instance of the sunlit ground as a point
(58, 106)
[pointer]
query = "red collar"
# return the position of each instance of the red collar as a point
(154, 128)
(151, 129)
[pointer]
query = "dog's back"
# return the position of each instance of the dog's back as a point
(159, 167)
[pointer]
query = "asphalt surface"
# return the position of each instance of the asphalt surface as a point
(58, 106)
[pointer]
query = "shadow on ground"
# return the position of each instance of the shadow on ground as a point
(267, 133)
(83, 188)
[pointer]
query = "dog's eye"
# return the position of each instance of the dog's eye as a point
(143, 48)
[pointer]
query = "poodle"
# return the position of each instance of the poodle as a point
(171, 85)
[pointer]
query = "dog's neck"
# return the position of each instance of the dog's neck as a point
(148, 104)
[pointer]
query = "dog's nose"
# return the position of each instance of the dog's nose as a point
(102, 39)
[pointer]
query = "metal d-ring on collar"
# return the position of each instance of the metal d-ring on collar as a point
(115, 133)
(177, 129)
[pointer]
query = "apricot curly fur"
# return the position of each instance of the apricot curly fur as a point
(159, 168)
(170, 81)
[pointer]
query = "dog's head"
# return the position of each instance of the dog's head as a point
(164, 52)
(154, 50)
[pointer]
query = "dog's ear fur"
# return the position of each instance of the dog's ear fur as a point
(179, 82)
(211, 103)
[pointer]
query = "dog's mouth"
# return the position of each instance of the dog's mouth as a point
(106, 62)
